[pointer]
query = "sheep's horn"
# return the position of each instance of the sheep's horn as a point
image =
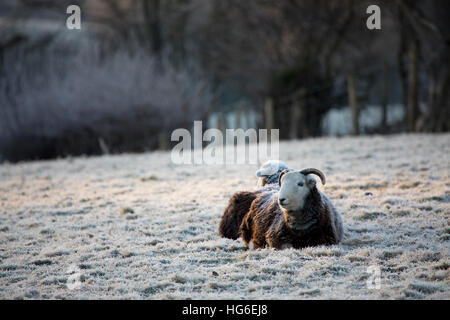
(281, 174)
(314, 171)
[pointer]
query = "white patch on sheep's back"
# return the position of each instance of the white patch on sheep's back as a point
(138, 227)
(270, 167)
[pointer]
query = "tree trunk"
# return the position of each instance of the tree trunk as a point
(403, 72)
(151, 12)
(353, 101)
(269, 113)
(163, 141)
(296, 113)
(221, 122)
(238, 114)
(385, 97)
(438, 115)
(413, 86)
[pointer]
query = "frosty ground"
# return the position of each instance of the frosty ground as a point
(136, 226)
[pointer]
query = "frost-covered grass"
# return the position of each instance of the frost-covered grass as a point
(139, 227)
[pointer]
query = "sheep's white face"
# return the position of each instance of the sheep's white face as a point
(295, 187)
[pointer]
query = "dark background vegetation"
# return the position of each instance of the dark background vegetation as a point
(138, 69)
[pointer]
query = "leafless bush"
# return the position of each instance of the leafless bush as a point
(58, 101)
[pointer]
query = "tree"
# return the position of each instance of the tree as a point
(428, 22)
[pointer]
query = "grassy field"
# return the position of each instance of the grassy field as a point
(139, 227)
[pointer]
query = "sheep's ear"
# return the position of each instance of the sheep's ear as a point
(281, 174)
(311, 181)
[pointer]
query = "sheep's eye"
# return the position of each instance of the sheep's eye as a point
(300, 184)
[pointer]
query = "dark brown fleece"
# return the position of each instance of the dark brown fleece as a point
(267, 224)
(238, 206)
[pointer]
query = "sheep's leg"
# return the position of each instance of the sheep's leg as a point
(246, 231)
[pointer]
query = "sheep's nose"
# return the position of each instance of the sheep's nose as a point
(282, 201)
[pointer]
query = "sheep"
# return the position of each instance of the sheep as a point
(297, 215)
(239, 204)
(269, 172)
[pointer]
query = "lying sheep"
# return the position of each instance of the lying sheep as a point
(239, 204)
(270, 171)
(298, 215)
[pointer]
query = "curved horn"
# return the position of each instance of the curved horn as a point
(314, 171)
(281, 174)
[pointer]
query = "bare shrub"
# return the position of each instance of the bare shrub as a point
(58, 101)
